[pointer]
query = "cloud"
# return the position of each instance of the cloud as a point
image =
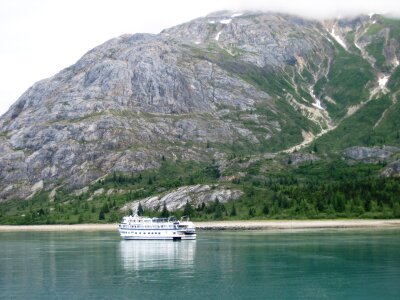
(323, 9)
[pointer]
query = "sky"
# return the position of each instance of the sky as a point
(38, 38)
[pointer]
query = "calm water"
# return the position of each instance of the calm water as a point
(219, 265)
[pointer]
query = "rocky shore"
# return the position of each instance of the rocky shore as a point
(224, 225)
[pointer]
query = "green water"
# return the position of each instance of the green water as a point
(219, 265)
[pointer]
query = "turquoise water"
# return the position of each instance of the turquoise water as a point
(219, 265)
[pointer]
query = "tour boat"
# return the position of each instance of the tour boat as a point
(145, 228)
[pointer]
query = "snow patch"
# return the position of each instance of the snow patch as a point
(217, 36)
(236, 15)
(197, 42)
(358, 46)
(225, 21)
(317, 102)
(396, 62)
(338, 38)
(382, 81)
(211, 22)
(371, 15)
(373, 22)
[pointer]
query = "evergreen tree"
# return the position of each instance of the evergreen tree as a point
(201, 207)
(233, 211)
(113, 217)
(252, 212)
(188, 210)
(191, 180)
(164, 212)
(367, 204)
(140, 210)
(80, 219)
(218, 212)
(218, 208)
(212, 171)
(102, 215)
(265, 209)
(105, 208)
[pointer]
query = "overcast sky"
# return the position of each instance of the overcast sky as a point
(38, 38)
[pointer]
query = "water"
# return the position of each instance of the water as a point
(219, 265)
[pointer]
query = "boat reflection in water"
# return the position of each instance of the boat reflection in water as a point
(139, 255)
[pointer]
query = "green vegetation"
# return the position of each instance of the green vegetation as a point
(394, 26)
(394, 81)
(375, 28)
(359, 128)
(375, 49)
(320, 190)
(313, 190)
(67, 208)
(381, 40)
(346, 82)
(350, 39)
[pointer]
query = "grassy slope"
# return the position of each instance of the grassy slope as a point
(379, 41)
(359, 128)
(346, 82)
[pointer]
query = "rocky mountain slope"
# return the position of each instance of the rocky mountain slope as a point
(176, 200)
(201, 91)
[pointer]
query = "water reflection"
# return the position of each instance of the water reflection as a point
(139, 255)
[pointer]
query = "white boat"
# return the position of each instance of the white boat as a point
(145, 228)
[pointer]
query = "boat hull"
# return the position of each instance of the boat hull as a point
(173, 238)
(136, 234)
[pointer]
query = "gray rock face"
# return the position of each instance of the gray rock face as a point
(370, 153)
(177, 199)
(137, 97)
(299, 158)
(392, 170)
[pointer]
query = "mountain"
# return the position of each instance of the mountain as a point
(206, 91)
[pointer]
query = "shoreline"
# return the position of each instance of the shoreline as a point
(225, 225)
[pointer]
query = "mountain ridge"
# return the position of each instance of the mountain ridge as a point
(202, 90)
